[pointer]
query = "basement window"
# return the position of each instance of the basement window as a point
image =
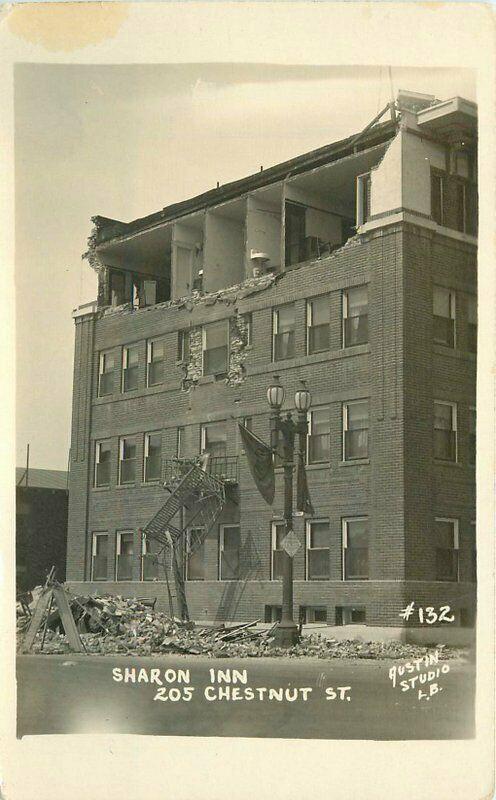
(312, 614)
(272, 613)
(215, 348)
(350, 615)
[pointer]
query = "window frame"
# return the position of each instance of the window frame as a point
(276, 332)
(472, 411)
(308, 540)
(183, 345)
(221, 550)
(363, 198)
(97, 461)
(101, 371)
(146, 453)
(187, 553)
(344, 544)
(118, 547)
(125, 366)
(122, 439)
(344, 426)
(472, 298)
(452, 315)
(345, 314)
(149, 359)
(309, 320)
(309, 433)
(454, 422)
(456, 546)
(206, 350)
(94, 536)
(203, 438)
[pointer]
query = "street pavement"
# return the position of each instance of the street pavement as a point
(77, 694)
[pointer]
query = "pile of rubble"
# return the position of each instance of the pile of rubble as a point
(116, 625)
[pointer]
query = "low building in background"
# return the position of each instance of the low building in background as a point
(352, 267)
(41, 525)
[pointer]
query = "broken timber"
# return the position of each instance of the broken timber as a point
(53, 592)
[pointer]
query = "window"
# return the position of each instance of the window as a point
(363, 198)
(283, 324)
(318, 319)
(273, 613)
(124, 556)
(355, 430)
(312, 614)
(356, 549)
(443, 308)
(446, 544)
(127, 460)
(355, 316)
(214, 439)
(437, 197)
(277, 533)
(472, 323)
(318, 441)
(106, 374)
(215, 348)
(473, 565)
(155, 353)
(99, 555)
(249, 328)
(195, 554)
(149, 561)
(180, 442)
(460, 206)
(183, 345)
(295, 231)
(130, 368)
(117, 287)
(152, 456)
(318, 550)
(445, 441)
(102, 464)
(229, 551)
(472, 437)
(350, 615)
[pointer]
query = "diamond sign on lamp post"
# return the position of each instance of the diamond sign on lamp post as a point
(291, 544)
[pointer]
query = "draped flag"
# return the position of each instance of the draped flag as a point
(260, 463)
(303, 501)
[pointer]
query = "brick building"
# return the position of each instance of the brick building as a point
(352, 267)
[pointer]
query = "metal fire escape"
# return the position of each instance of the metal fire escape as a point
(194, 488)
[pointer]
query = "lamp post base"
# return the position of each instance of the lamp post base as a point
(286, 634)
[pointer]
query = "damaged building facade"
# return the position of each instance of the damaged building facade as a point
(352, 267)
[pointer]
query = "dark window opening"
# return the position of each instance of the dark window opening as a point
(295, 229)
(272, 613)
(309, 614)
(350, 615)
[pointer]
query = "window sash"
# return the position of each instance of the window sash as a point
(229, 556)
(102, 464)
(106, 374)
(214, 439)
(99, 560)
(130, 368)
(355, 430)
(127, 461)
(278, 532)
(355, 545)
(152, 456)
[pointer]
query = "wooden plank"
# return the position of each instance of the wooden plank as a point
(70, 629)
(36, 619)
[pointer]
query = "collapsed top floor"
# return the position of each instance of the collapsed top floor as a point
(421, 162)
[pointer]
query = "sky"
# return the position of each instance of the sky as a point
(126, 140)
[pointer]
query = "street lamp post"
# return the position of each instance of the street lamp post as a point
(286, 632)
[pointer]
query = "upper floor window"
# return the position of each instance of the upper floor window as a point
(155, 353)
(445, 427)
(117, 287)
(318, 319)
(317, 550)
(277, 534)
(437, 197)
(229, 552)
(106, 368)
(99, 556)
(295, 232)
(363, 198)
(356, 548)
(130, 368)
(183, 345)
(102, 464)
(355, 430)
(446, 543)
(214, 439)
(180, 442)
(248, 318)
(444, 311)
(355, 316)
(152, 456)
(472, 437)
(195, 554)
(283, 328)
(318, 450)
(124, 555)
(472, 323)
(215, 348)
(127, 460)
